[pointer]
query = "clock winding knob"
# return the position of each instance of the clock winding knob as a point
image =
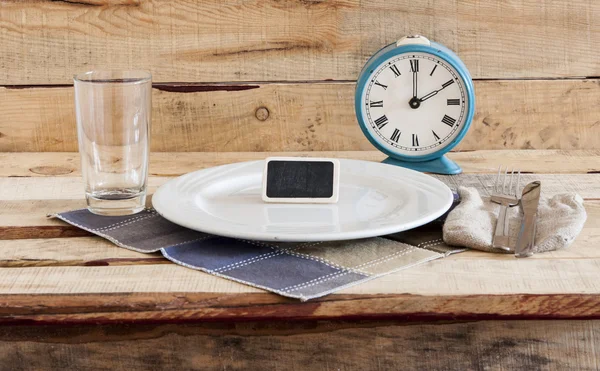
(413, 40)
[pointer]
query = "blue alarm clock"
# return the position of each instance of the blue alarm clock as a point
(415, 101)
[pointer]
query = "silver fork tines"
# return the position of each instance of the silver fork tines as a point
(503, 190)
(506, 197)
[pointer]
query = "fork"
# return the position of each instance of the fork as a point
(506, 197)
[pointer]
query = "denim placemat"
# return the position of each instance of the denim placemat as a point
(298, 270)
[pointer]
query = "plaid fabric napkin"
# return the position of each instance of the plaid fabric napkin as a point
(298, 270)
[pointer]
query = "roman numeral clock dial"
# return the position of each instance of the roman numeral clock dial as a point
(414, 103)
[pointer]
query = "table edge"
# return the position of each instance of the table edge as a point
(205, 307)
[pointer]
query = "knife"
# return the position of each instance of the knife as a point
(529, 202)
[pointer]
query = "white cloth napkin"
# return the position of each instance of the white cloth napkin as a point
(472, 223)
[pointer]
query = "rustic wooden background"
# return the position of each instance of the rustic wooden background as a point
(253, 76)
(275, 75)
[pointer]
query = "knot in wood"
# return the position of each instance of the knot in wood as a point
(50, 170)
(262, 113)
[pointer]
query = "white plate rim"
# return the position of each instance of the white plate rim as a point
(329, 236)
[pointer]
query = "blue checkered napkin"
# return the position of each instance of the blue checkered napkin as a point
(297, 270)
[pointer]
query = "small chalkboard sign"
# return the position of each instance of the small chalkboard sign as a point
(301, 180)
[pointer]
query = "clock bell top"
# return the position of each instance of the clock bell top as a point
(413, 40)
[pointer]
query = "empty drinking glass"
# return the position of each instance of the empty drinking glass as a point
(113, 125)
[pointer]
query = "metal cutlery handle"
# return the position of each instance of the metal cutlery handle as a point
(529, 202)
(505, 196)
(526, 239)
(501, 239)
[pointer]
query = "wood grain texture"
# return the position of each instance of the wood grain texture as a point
(83, 280)
(503, 275)
(25, 201)
(25, 246)
(527, 114)
(105, 308)
(485, 345)
(233, 40)
(49, 164)
(72, 188)
(87, 251)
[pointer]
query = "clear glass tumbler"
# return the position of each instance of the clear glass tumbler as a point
(113, 124)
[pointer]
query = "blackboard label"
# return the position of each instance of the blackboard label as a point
(301, 180)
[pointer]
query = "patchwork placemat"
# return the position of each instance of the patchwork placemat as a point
(297, 270)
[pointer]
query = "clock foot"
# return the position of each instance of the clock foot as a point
(442, 165)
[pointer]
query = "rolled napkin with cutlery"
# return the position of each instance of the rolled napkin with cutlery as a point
(472, 223)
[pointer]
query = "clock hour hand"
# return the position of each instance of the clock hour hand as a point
(444, 86)
(425, 97)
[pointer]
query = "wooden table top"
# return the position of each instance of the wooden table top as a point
(51, 272)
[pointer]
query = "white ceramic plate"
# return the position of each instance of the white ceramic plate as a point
(375, 199)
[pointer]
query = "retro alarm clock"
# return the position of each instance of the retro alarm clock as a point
(415, 101)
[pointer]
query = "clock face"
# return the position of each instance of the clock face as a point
(414, 104)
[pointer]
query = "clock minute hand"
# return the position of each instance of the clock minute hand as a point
(415, 84)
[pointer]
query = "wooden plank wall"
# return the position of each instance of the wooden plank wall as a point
(269, 75)
(340, 346)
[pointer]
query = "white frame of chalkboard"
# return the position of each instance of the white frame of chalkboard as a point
(304, 200)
